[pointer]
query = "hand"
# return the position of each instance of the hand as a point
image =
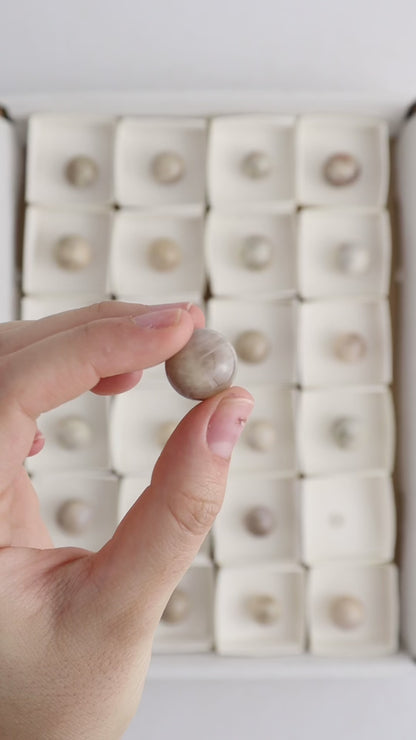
(76, 627)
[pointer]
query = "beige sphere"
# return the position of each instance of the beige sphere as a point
(252, 346)
(350, 347)
(264, 609)
(260, 435)
(178, 607)
(164, 255)
(256, 253)
(347, 612)
(81, 171)
(73, 253)
(345, 432)
(74, 433)
(260, 521)
(341, 169)
(74, 516)
(256, 165)
(165, 431)
(168, 168)
(353, 259)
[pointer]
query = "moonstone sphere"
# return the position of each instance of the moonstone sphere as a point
(347, 612)
(260, 521)
(350, 347)
(177, 608)
(341, 169)
(168, 168)
(264, 609)
(74, 433)
(353, 259)
(165, 431)
(73, 253)
(345, 432)
(260, 435)
(81, 172)
(164, 255)
(252, 346)
(256, 165)
(204, 367)
(74, 516)
(256, 253)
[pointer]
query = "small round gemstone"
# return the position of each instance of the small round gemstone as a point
(264, 609)
(73, 253)
(350, 347)
(257, 165)
(353, 259)
(347, 612)
(81, 172)
(178, 607)
(257, 252)
(74, 433)
(345, 432)
(341, 169)
(74, 516)
(165, 255)
(260, 521)
(252, 346)
(260, 435)
(168, 168)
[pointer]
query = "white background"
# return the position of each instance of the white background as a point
(361, 46)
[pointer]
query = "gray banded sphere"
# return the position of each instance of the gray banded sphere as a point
(74, 516)
(168, 168)
(341, 169)
(256, 252)
(81, 172)
(74, 433)
(264, 609)
(347, 612)
(353, 259)
(345, 432)
(73, 253)
(256, 165)
(252, 346)
(164, 255)
(204, 367)
(260, 521)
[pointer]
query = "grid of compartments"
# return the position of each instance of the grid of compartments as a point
(286, 219)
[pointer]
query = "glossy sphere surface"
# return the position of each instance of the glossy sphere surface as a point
(204, 367)
(341, 169)
(264, 609)
(178, 607)
(350, 348)
(168, 168)
(164, 432)
(165, 255)
(81, 172)
(256, 253)
(260, 435)
(260, 521)
(74, 433)
(256, 165)
(73, 253)
(252, 346)
(345, 432)
(74, 516)
(347, 612)
(353, 259)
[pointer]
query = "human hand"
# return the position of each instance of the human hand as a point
(76, 627)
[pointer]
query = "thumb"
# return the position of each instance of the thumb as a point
(159, 537)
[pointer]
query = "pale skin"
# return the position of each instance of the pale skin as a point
(76, 627)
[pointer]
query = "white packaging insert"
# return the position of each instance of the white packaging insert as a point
(44, 228)
(139, 141)
(343, 252)
(76, 436)
(353, 610)
(97, 494)
(275, 321)
(193, 633)
(134, 236)
(345, 343)
(251, 160)
(55, 140)
(274, 415)
(258, 522)
(229, 236)
(350, 518)
(260, 611)
(42, 305)
(346, 431)
(365, 139)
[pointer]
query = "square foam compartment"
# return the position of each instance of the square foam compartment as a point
(139, 141)
(136, 425)
(367, 418)
(325, 330)
(275, 320)
(232, 139)
(131, 489)
(98, 491)
(348, 518)
(131, 271)
(237, 632)
(193, 633)
(234, 542)
(274, 407)
(343, 252)
(76, 436)
(44, 227)
(228, 234)
(320, 137)
(375, 588)
(52, 141)
(39, 306)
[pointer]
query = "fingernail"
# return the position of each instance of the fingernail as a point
(226, 425)
(158, 319)
(186, 306)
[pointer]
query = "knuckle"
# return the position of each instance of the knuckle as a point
(195, 510)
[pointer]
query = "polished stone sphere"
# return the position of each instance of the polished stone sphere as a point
(260, 521)
(74, 516)
(345, 432)
(341, 169)
(353, 259)
(74, 433)
(73, 253)
(256, 165)
(256, 253)
(264, 609)
(81, 172)
(347, 612)
(252, 346)
(260, 435)
(350, 347)
(165, 255)
(178, 607)
(168, 168)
